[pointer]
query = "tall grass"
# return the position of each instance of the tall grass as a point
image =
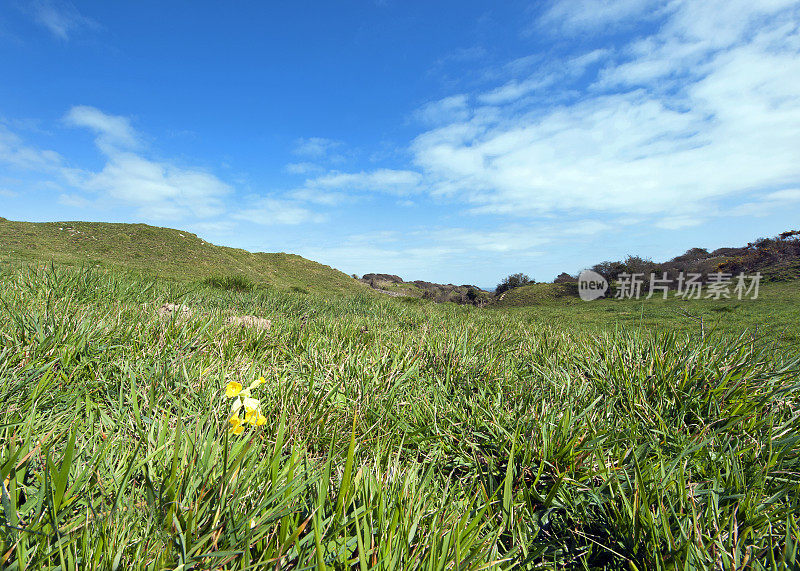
(400, 436)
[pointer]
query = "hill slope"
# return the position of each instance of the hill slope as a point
(163, 251)
(538, 293)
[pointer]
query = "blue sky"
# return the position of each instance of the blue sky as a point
(446, 141)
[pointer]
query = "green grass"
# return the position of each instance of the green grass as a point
(163, 252)
(398, 435)
(537, 294)
(773, 318)
(235, 283)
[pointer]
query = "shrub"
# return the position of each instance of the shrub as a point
(512, 281)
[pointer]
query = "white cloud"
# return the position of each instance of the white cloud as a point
(60, 17)
(159, 189)
(467, 240)
(15, 152)
(543, 79)
(398, 182)
(269, 211)
(7, 193)
(449, 109)
(693, 34)
(302, 168)
(422, 253)
(768, 203)
(112, 131)
(785, 195)
(678, 222)
(319, 196)
(581, 16)
(315, 147)
(732, 126)
(75, 200)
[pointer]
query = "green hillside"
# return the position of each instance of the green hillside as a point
(535, 294)
(164, 252)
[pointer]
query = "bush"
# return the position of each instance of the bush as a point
(512, 281)
(565, 278)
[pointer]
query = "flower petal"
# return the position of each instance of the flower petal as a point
(233, 389)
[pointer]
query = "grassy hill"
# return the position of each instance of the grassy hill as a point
(164, 252)
(538, 293)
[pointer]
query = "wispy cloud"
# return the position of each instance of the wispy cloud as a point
(14, 152)
(112, 131)
(767, 204)
(733, 125)
(271, 211)
(421, 253)
(544, 78)
(582, 16)
(159, 189)
(316, 147)
(449, 109)
(302, 168)
(61, 18)
(335, 188)
(389, 181)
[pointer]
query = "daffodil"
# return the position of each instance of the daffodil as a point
(242, 399)
(236, 425)
(255, 384)
(233, 389)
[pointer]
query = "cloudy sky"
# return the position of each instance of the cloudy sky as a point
(453, 141)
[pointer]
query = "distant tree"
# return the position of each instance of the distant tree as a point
(565, 278)
(512, 281)
(692, 255)
(609, 270)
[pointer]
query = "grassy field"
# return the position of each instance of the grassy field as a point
(773, 318)
(164, 252)
(391, 434)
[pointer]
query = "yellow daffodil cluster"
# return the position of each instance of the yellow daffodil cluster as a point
(244, 401)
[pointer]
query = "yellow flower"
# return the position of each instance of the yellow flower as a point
(261, 420)
(251, 415)
(257, 383)
(251, 404)
(233, 389)
(236, 425)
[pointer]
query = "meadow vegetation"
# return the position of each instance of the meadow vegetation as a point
(396, 436)
(166, 253)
